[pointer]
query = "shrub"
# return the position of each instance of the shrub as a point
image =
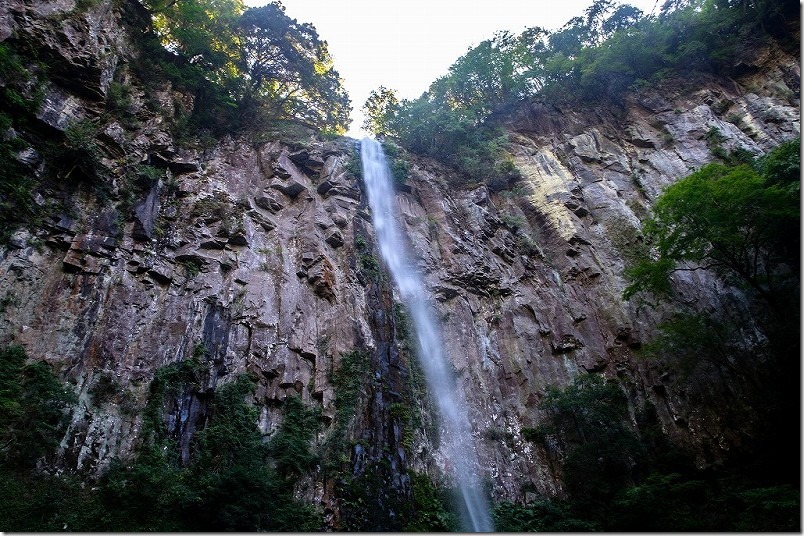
(34, 407)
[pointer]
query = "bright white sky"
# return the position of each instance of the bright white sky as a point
(406, 45)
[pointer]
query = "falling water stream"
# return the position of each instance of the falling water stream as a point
(456, 437)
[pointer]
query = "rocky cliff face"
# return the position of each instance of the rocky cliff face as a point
(258, 256)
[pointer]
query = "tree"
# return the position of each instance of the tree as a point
(589, 419)
(624, 17)
(732, 219)
(287, 68)
(199, 30)
(33, 409)
(380, 110)
(488, 76)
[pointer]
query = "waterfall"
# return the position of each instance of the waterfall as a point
(456, 436)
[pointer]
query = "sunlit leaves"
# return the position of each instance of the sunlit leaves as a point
(288, 68)
(380, 110)
(200, 30)
(260, 61)
(731, 219)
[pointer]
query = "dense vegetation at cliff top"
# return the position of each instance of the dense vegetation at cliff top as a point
(610, 50)
(254, 71)
(249, 67)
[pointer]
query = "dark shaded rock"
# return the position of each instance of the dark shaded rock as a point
(322, 278)
(290, 188)
(280, 171)
(212, 244)
(95, 244)
(443, 293)
(595, 364)
(238, 239)
(325, 187)
(145, 214)
(577, 239)
(299, 157)
(161, 276)
(268, 202)
(29, 157)
(73, 261)
(346, 191)
(192, 257)
(567, 344)
(625, 335)
(60, 109)
(310, 258)
(340, 220)
(481, 282)
(180, 166)
(266, 223)
(334, 239)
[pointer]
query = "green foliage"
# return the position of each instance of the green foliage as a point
(288, 70)
(230, 484)
(547, 515)
(379, 110)
(432, 510)
(200, 30)
(82, 6)
(686, 340)
(249, 69)
(33, 409)
(367, 259)
(514, 222)
(169, 382)
(120, 103)
(782, 166)
(728, 218)
(400, 166)
(149, 493)
(44, 503)
(773, 509)
(600, 55)
(662, 501)
(191, 268)
(353, 165)
(104, 388)
(427, 509)
(679, 503)
(589, 418)
(231, 432)
(619, 481)
(233, 458)
(17, 186)
(432, 126)
(290, 447)
(18, 103)
(348, 380)
(81, 152)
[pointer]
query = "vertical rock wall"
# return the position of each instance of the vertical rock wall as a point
(258, 257)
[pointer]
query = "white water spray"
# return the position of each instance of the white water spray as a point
(456, 436)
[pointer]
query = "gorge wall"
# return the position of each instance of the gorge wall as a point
(257, 255)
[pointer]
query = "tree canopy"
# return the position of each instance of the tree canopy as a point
(601, 54)
(259, 64)
(741, 221)
(287, 66)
